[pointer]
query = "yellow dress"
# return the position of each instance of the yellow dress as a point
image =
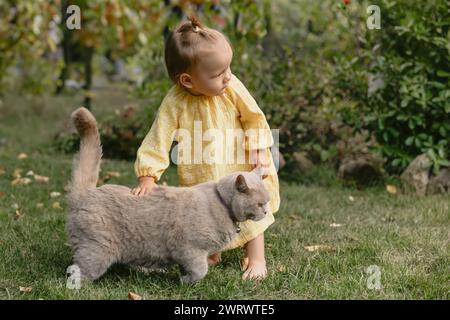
(183, 115)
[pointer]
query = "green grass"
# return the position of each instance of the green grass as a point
(406, 236)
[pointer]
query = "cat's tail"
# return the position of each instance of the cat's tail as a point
(86, 164)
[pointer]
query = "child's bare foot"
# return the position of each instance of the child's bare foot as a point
(214, 259)
(254, 269)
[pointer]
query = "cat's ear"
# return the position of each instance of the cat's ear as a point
(240, 184)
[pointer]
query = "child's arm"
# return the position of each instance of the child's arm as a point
(153, 154)
(258, 137)
(254, 123)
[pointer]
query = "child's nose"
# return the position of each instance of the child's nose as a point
(227, 77)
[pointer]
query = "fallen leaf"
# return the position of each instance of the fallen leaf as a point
(17, 173)
(134, 296)
(18, 215)
(25, 289)
(21, 181)
(55, 194)
(41, 179)
(335, 225)
(56, 205)
(113, 173)
(2, 170)
(388, 219)
(15, 206)
(22, 156)
(30, 173)
(391, 189)
(109, 175)
(2, 194)
(320, 248)
(351, 198)
(281, 268)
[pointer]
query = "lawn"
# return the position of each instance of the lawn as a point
(407, 237)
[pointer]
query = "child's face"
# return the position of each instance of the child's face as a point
(211, 74)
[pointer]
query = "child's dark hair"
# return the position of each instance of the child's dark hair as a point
(181, 49)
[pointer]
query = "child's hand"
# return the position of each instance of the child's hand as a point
(258, 158)
(145, 185)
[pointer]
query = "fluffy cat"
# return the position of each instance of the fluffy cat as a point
(181, 225)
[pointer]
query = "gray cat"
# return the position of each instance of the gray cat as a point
(181, 225)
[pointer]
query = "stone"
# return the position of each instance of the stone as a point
(416, 175)
(439, 183)
(302, 161)
(362, 171)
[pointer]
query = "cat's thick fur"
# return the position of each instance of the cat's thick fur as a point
(181, 225)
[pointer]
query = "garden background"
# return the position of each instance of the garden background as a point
(364, 119)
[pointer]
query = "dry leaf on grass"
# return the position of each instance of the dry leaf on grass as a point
(388, 219)
(113, 173)
(30, 173)
(281, 268)
(55, 194)
(15, 206)
(335, 225)
(20, 181)
(22, 156)
(41, 179)
(2, 170)
(391, 189)
(18, 215)
(17, 173)
(351, 198)
(134, 296)
(320, 248)
(56, 205)
(109, 175)
(25, 289)
(2, 194)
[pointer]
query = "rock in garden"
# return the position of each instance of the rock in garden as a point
(362, 171)
(416, 175)
(440, 183)
(302, 161)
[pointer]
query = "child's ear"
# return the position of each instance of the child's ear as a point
(186, 80)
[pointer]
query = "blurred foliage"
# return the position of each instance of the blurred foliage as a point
(25, 38)
(406, 66)
(310, 65)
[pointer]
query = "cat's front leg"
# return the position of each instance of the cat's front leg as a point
(195, 268)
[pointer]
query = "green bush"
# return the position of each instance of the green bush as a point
(410, 57)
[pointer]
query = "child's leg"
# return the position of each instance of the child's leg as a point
(254, 262)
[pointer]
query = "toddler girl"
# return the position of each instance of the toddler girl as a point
(207, 95)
